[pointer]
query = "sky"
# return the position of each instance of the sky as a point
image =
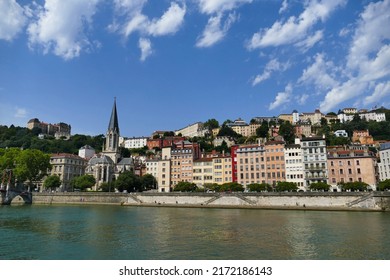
(172, 63)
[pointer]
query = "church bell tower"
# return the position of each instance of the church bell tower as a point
(111, 147)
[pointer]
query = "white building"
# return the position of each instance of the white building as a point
(294, 165)
(368, 116)
(192, 130)
(220, 139)
(314, 159)
(384, 164)
(341, 133)
(86, 152)
(135, 142)
(161, 170)
(295, 117)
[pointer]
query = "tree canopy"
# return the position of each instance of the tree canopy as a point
(83, 182)
(384, 185)
(211, 124)
(260, 187)
(286, 187)
(52, 182)
(320, 186)
(353, 186)
(28, 166)
(128, 181)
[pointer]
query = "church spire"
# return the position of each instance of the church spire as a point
(111, 147)
(113, 125)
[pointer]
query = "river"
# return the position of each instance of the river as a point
(102, 232)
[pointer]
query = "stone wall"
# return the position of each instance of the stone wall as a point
(372, 201)
(79, 198)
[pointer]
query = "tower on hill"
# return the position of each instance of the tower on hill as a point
(111, 146)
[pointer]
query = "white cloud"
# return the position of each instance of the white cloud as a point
(282, 98)
(368, 61)
(132, 18)
(284, 7)
(344, 32)
(310, 41)
(302, 99)
(138, 23)
(219, 6)
(60, 27)
(272, 66)
(129, 7)
(295, 29)
(370, 34)
(317, 74)
(12, 19)
(12, 115)
(20, 113)
(214, 31)
(146, 48)
(381, 90)
(351, 88)
(169, 23)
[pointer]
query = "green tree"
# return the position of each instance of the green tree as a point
(32, 166)
(168, 133)
(211, 124)
(353, 186)
(83, 182)
(128, 181)
(286, 187)
(52, 182)
(287, 131)
(260, 187)
(262, 131)
(148, 182)
(231, 187)
(227, 131)
(223, 147)
(320, 186)
(185, 187)
(211, 187)
(105, 187)
(384, 185)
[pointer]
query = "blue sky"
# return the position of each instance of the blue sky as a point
(171, 63)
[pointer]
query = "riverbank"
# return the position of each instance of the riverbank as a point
(363, 201)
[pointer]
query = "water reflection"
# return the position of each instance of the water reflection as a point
(109, 232)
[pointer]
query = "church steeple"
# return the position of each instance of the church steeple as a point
(113, 125)
(111, 147)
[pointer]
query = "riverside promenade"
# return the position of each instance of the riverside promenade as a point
(345, 201)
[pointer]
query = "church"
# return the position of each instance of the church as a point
(107, 165)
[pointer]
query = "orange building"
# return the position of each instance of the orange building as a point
(352, 164)
(276, 171)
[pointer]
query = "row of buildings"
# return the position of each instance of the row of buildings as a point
(307, 161)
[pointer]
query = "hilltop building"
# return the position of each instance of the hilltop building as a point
(241, 127)
(135, 142)
(59, 130)
(347, 115)
(193, 130)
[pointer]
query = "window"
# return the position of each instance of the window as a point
(358, 171)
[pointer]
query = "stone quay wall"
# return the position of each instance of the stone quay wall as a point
(361, 201)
